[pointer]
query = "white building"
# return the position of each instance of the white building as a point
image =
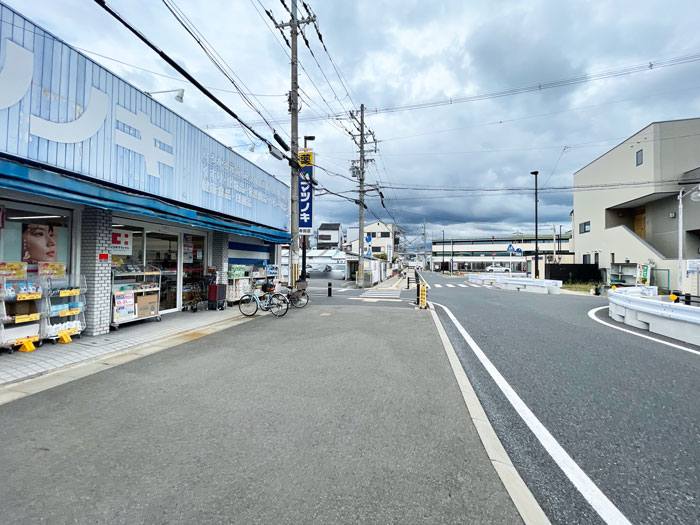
(384, 238)
(329, 236)
(626, 205)
(480, 252)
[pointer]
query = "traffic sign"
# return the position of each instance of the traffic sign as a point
(369, 251)
(368, 239)
(518, 251)
(510, 249)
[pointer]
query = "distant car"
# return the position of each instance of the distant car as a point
(497, 269)
(328, 271)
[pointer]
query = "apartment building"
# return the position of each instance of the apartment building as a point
(384, 238)
(626, 205)
(329, 236)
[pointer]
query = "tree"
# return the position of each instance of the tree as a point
(380, 255)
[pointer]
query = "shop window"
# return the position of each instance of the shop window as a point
(127, 245)
(34, 237)
(161, 252)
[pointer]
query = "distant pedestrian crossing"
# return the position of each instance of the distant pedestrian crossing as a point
(382, 294)
(465, 284)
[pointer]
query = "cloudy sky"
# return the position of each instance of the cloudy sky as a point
(394, 55)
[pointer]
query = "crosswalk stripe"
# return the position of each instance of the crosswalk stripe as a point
(474, 285)
(462, 285)
(450, 285)
(438, 286)
(383, 294)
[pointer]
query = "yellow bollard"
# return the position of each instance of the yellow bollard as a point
(423, 296)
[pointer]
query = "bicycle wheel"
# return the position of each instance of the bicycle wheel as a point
(248, 305)
(299, 299)
(278, 304)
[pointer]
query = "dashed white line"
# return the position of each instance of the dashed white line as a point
(588, 489)
(591, 314)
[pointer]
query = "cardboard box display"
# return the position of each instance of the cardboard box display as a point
(147, 305)
(20, 308)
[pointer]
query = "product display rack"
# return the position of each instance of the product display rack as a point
(623, 274)
(135, 294)
(65, 308)
(239, 281)
(21, 313)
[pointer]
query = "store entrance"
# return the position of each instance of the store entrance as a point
(161, 252)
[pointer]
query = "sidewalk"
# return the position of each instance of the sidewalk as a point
(264, 423)
(46, 358)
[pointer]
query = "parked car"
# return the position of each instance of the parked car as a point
(328, 271)
(497, 269)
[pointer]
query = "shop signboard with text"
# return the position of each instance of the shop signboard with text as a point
(75, 115)
(121, 242)
(306, 193)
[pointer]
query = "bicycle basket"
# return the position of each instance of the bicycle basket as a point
(268, 287)
(301, 285)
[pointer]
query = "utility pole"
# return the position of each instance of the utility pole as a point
(425, 255)
(361, 267)
(537, 239)
(293, 25)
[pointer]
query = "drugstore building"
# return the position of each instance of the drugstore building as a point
(96, 174)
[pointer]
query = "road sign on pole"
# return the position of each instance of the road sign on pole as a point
(511, 249)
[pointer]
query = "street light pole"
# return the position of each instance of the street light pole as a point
(443, 251)
(537, 247)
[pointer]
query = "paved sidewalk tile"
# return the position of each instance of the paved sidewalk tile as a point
(22, 365)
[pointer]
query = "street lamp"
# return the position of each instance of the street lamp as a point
(694, 193)
(537, 248)
(179, 97)
(306, 237)
(443, 251)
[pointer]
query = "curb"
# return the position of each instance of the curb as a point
(12, 391)
(524, 501)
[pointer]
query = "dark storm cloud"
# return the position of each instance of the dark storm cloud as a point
(396, 53)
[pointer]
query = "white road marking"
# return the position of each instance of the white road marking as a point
(462, 285)
(450, 285)
(592, 315)
(438, 286)
(589, 490)
(474, 285)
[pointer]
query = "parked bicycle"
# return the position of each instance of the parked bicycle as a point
(275, 303)
(298, 297)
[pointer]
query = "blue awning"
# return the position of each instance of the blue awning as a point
(20, 177)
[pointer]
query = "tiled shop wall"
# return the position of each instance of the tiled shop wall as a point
(96, 229)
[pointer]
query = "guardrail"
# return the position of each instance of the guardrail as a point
(656, 314)
(547, 286)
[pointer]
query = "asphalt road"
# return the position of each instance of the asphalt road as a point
(331, 414)
(624, 408)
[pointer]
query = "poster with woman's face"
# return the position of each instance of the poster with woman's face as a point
(39, 243)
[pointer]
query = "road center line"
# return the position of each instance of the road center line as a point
(592, 315)
(588, 489)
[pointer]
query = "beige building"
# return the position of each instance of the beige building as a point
(626, 205)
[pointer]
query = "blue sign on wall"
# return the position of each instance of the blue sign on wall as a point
(61, 109)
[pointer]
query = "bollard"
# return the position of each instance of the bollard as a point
(330, 289)
(423, 296)
(687, 299)
(408, 282)
(418, 285)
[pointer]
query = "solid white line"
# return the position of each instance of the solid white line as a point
(589, 490)
(592, 315)
(438, 286)
(530, 511)
(450, 285)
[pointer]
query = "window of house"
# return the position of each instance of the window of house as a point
(373, 234)
(612, 258)
(596, 259)
(587, 259)
(376, 249)
(640, 157)
(386, 234)
(584, 227)
(324, 237)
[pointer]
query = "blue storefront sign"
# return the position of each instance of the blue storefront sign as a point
(306, 193)
(62, 110)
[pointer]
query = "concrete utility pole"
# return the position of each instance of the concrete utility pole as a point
(361, 176)
(293, 25)
(425, 254)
